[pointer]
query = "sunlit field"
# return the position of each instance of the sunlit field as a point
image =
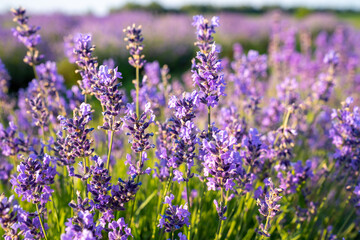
(145, 126)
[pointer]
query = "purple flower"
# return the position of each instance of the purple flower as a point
(100, 185)
(183, 132)
(27, 34)
(175, 217)
(346, 138)
(35, 175)
(269, 206)
(10, 144)
(135, 46)
(106, 89)
(137, 126)
(4, 81)
(123, 192)
(119, 230)
(86, 62)
(208, 77)
(221, 210)
(76, 142)
(82, 226)
(221, 162)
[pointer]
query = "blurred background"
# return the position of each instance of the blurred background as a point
(167, 29)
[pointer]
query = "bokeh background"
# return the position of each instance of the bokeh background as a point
(166, 28)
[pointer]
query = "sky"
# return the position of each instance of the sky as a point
(101, 7)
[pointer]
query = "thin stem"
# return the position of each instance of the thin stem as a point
(157, 209)
(86, 186)
(56, 214)
(137, 182)
(220, 221)
(35, 73)
(172, 235)
(137, 86)
(110, 148)
(188, 202)
(347, 220)
(41, 222)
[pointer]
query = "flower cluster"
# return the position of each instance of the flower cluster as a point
(107, 90)
(164, 151)
(137, 126)
(82, 226)
(27, 34)
(119, 230)
(183, 131)
(269, 206)
(221, 162)
(345, 134)
(123, 192)
(135, 46)
(35, 175)
(4, 81)
(10, 144)
(175, 217)
(207, 70)
(76, 143)
(86, 62)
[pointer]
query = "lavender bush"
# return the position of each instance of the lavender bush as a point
(257, 146)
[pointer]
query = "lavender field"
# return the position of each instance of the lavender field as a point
(186, 127)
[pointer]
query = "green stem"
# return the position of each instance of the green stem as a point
(41, 222)
(35, 73)
(218, 234)
(110, 148)
(56, 214)
(137, 182)
(157, 210)
(137, 86)
(85, 165)
(346, 221)
(188, 202)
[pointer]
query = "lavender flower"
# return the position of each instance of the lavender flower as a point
(38, 110)
(28, 225)
(86, 62)
(10, 144)
(269, 206)
(82, 226)
(345, 135)
(135, 46)
(100, 185)
(175, 217)
(163, 152)
(123, 192)
(231, 122)
(221, 162)
(324, 86)
(119, 230)
(4, 81)
(34, 179)
(27, 34)
(5, 169)
(8, 216)
(254, 149)
(76, 143)
(137, 126)
(107, 91)
(207, 71)
(183, 131)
